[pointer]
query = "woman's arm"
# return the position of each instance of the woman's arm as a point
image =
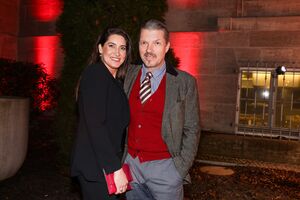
(94, 91)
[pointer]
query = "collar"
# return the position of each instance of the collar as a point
(169, 69)
(156, 72)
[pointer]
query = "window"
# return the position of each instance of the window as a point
(268, 104)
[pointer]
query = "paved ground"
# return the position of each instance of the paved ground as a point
(247, 183)
(227, 161)
(40, 178)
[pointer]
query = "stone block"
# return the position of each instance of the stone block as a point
(224, 117)
(9, 18)
(207, 60)
(233, 39)
(186, 39)
(206, 116)
(1, 44)
(8, 48)
(247, 54)
(270, 8)
(286, 23)
(274, 39)
(296, 56)
(197, 15)
(188, 47)
(25, 50)
(182, 20)
(209, 39)
(224, 88)
(226, 61)
(277, 54)
(11, 2)
(42, 49)
(190, 60)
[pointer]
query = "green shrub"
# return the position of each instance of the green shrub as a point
(24, 79)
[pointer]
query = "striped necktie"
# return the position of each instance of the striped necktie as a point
(145, 90)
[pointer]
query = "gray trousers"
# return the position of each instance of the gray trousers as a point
(154, 180)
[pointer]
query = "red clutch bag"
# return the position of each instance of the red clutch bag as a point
(111, 186)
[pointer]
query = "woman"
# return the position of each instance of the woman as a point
(103, 117)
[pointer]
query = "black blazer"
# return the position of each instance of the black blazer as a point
(103, 118)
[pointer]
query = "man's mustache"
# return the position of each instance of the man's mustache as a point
(149, 54)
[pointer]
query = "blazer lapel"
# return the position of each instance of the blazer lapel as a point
(130, 78)
(170, 100)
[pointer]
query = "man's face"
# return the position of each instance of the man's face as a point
(153, 48)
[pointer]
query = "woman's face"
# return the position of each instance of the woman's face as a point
(113, 52)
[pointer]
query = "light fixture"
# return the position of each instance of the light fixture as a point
(266, 94)
(280, 70)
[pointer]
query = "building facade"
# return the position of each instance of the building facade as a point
(232, 47)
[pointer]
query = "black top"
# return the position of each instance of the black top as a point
(103, 118)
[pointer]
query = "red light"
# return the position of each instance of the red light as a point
(46, 50)
(187, 47)
(185, 3)
(45, 10)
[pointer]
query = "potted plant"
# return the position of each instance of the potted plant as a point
(25, 91)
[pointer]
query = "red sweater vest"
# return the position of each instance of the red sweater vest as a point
(144, 131)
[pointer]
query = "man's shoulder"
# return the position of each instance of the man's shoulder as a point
(133, 67)
(183, 74)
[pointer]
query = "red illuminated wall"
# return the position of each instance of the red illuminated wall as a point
(45, 52)
(9, 29)
(46, 46)
(45, 10)
(39, 41)
(187, 47)
(185, 3)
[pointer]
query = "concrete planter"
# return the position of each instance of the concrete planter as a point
(14, 120)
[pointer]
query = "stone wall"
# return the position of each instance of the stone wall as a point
(211, 37)
(203, 15)
(38, 41)
(235, 39)
(9, 28)
(259, 8)
(198, 15)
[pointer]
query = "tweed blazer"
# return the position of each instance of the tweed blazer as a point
(181, 117)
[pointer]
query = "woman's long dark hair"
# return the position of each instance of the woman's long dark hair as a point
(95, 56)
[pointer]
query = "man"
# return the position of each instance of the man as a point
(164, 130)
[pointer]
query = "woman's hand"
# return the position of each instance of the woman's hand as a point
(120, 181)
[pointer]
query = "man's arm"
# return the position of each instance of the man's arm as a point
(191, 126)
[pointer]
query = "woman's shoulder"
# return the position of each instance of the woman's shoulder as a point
(94, 72)
(94, 69)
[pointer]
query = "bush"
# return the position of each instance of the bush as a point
(24, 79)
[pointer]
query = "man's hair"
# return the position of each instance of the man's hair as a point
(154, 24)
